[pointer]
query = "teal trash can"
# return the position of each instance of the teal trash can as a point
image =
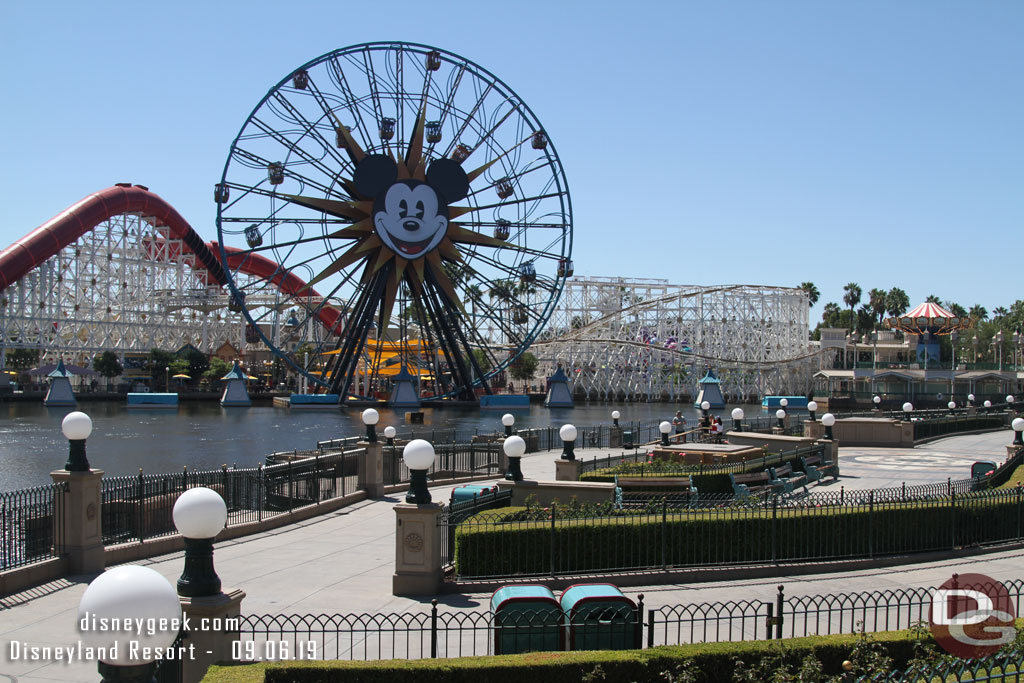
(627, 439)
(526, 619)
(599, 617)
(469, 491)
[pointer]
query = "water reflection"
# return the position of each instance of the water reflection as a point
(204, 435)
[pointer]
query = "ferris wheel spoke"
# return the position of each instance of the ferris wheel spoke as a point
(293, 148)
(311, 130)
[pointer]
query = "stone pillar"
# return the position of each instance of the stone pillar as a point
(78, 510)
(213, 627)
(567, 470)
(813, 429)
(371, 468)
(502, 459)
(1011, 450)
(417, 550)
(907, 434)
(831, 449)
(615, 437)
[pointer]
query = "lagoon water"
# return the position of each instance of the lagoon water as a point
(203, 435)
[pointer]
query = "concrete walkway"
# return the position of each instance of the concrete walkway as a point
(342, 562)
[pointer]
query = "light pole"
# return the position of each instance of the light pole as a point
(514, 448)
(828, 419)
(999, 342)
(876, 400)
(615, 418)
(418, 456)
(908, 408)
(952, 407)
(370, 418)
(665, 427)
(77, 427)
(129, 594)
(780, 415)
(167, 378)
(199, 514)
(1016, 348)
(1018, 427)
(389, 434)
(508, 419)
(567, 433)
(974, 343)
(970, 400)
(811, 407)
(737, 419)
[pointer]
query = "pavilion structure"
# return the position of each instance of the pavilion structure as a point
(904, 363)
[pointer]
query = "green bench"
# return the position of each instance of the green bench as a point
(784, 477)
(747, 484)
(815, 467)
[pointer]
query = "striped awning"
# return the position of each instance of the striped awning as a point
(929, 317)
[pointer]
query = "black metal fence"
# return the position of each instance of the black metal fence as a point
(31, 524)
(437, 633)
(454, 513)
(555, 541)
(451, 461)
(139, 507)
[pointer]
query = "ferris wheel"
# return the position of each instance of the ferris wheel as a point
(393, 208)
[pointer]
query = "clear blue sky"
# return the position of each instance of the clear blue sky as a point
(704, 142)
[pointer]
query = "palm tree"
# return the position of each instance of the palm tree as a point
(831, 310)
(876, 302)
(932, 299)
(896, 302)
(978, 312)
(812, 292)
(999, 312)
(851, 298)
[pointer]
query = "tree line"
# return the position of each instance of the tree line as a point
(866, 315)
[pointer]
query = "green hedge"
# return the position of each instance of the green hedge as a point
(713, 663)
(495, 544)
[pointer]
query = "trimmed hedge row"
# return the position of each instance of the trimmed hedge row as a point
(489, 544)
(714, 663)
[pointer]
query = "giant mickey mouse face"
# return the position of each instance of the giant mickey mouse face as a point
(410, 216)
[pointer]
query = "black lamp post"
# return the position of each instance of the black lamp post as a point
(737, 419)
(514, 448)
(370, 418)
(508, 419)
(77, 427)
(615, 418)
(811, 407)
(199, 514)
(952, 407)
(665, 427)
(828, 419)
(568, 435)
(780, 415)
(418, 456)
(129, 593)
(1018, 427)
(389, 434)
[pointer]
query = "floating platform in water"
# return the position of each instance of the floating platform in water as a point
(165, 401)
(307, 401)
(776, 401)
(498, 401)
